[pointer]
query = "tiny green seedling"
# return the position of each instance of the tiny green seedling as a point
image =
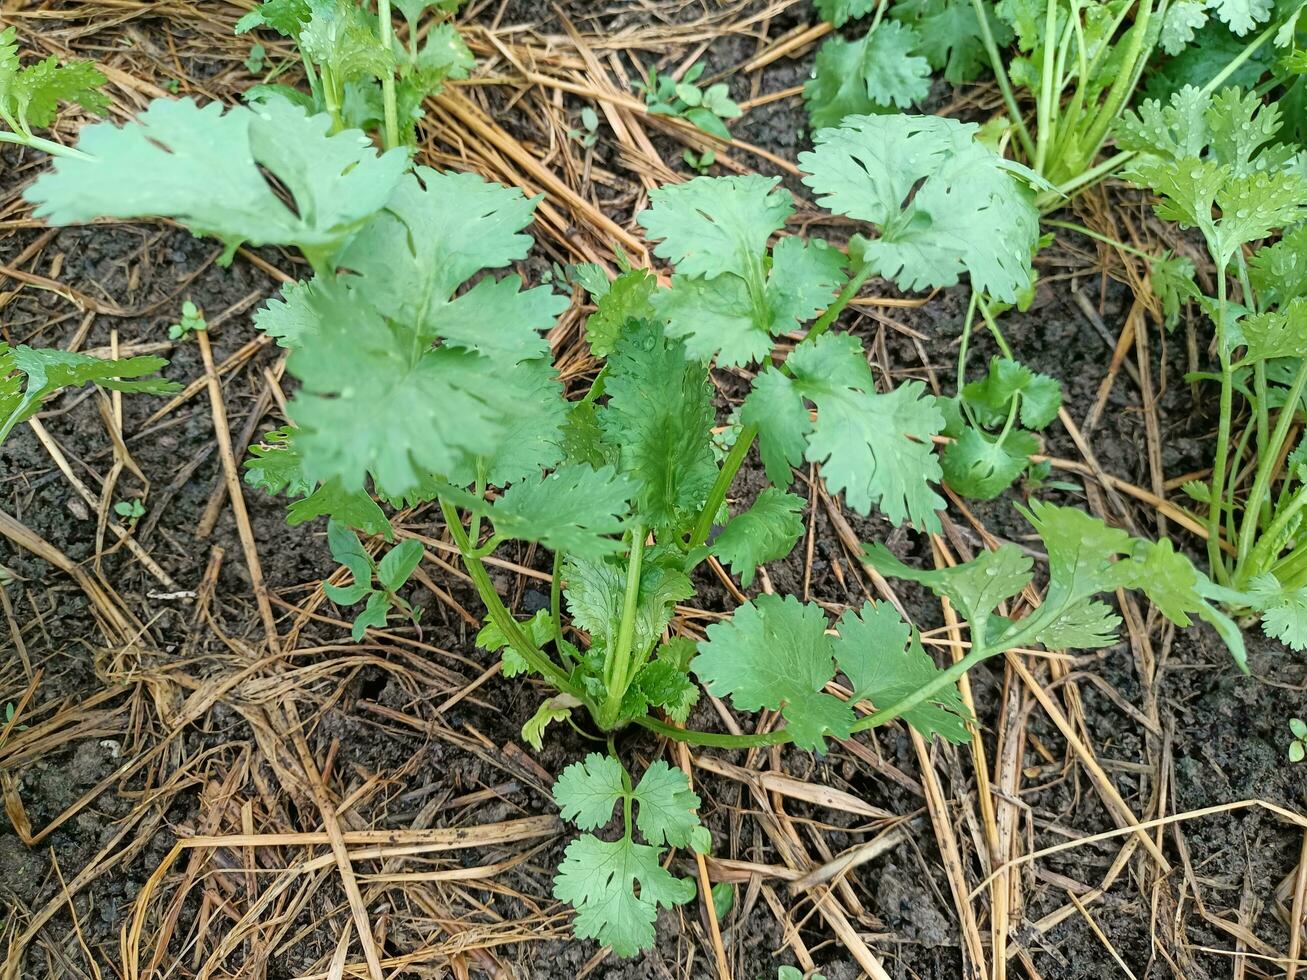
(391, 573)
(701, 162)
(130, 510)
(255, 60)
(705, 108)
(794, 973)
(588, 134)
(192, 320)
(1298, 745)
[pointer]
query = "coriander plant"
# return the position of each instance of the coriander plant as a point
(1216, 167)
(424, 374)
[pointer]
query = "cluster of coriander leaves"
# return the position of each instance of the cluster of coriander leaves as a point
(1080, 62)
(1216, 166)
(357, 69)
(424, 378)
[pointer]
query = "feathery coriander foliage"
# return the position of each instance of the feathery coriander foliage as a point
(1216, 166)
(424, 374)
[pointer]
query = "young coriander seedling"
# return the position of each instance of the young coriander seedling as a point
(130, 510)
(588, 134)
(192, 319)
(254, 61)
(1298, 744)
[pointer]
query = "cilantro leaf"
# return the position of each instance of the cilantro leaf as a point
(574, 510)
(539, 629)
(663, 683)
(711, 225)
(765, 532)
(1181, 22)
(286, 17)
(29, 375)
(1241, 16)
(839, 12)
(734, 317)
(411, 260)
(557, 708)
(1279, 272)
(876, 71)
(595, 589)
(658, 419)
(205, 170)
(979, 467)
(967, 209)
(600, 877)
(885, 662)
(30, 96)
(975, 588)
(340, 38)
(387, 409)
(774, 653)
(874, 448)
(1276, 333)
(1040, 395)
(951, 38)
(1204, 153)
(1284, 611)
(626, 299)
(665, 806)
(587, 791)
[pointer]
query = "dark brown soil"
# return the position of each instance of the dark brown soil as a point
(1222, 736)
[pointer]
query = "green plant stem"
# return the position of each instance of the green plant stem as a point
(1001, 76)
(1125, 83)
(1249, 50)
(386, 33)
(1090, 233)
(1266, 463)
(748, 433)
(1060, 194)
(1262, 552)
(556, 596)
(498, 612)
(44, 145)
(1048, 97)
(1214, 557)
(617, 667)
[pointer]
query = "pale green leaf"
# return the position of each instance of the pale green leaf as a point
(774, 653)
(765, 532)
(944, 203)
(206, 167)
(885, 663)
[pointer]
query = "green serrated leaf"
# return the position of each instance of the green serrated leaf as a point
(943, 202)
(600, 879)
(774, 653)
(30, 375)
(1284, 611)
(885, 662)
(874, 448)
(951, 36)
(712, 225)
(660, 410)
(625, 300)
(666, 806)
(206, 170)
(576, 510)
(1277, 333)
(876, 72)
(839, 12)
(975, 588)
(1279, 272)
(586, 792)
(765, 532)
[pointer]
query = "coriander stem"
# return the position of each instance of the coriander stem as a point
(1001, 76)
(498, 612)
(1266, 464)
(386, 31)
(618, 663)
(556, 597)
(1214, 557)
(45, 146)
